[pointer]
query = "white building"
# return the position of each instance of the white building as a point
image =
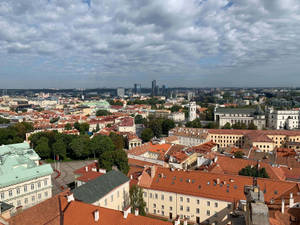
(192, 111)
(177, 116)
(283, 119)
(23, 182)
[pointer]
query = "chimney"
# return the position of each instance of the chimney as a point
(96, 215)
(218, 180)
(136, 212)
(185, 221)
(86, 169)
(126, 211)
(291, 200)
(153, 169)
(70, 197)
(131, 177)
(282, 206)
(177, 221)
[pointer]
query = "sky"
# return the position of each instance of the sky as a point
(116, 43)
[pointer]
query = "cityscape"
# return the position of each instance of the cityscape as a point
(169, 112)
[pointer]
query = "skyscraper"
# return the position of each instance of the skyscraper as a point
(137, 89)
(120, 92)
(153, 88)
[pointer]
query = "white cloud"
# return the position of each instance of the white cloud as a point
(141, 39)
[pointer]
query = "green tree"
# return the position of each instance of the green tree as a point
(80, 147)
(175, 108)
(147, 135)
(227, 126)
(118, 141)
(138, 119)
(102, 112)
(59, 148)
(100, 144)
(68, 126)
(194, 124)
(4, 121)
(84, 128)
(42, 148)
(254, 172)
(156, 126)
(77, 125)
(137, 200)
(116, 158)
(251, 126)
(167, 125)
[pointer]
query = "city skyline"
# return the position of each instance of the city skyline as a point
(92, 43)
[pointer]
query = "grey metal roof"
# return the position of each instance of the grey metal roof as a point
(94, 190)
(4, 207)
(236, 110)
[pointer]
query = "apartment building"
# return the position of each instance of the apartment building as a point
(23, 182)
(202, 197)
(110, 190)
(283, 119)
(264, 140)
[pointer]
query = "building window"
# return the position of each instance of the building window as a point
(32, 186)
(156, 196)
(26, 200)
(150, 195)
(18, 191)
(154, 211)
(25, 188)
(187, 209)
(197, 210)
(170, 198)
(2, 195)
(33, 198)
(46, 194)
(181, 199)
(162, 206)
(216, 204)
(154, 205)
(181, 208)
(188, 199)
(162, 213)
(198, 201)
(18, 202)
(45, 182)
(39, 196)
(145, 194)
(10, 193)
(208, 213)
(171, 208)
(208, 203)
(39, 184)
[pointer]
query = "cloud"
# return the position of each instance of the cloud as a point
(118, 42)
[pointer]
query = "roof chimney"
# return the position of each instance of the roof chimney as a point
(126, 211)
(70, 197)
(136, 212)
(218, 180)
(291, 200)
(282, 206)
(96, 215)
(185, 221)
(153, 168)
(86, 169)
(177, 221)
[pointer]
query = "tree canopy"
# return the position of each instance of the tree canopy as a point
(254, 171)
(137, 200)
(102, 112)
(147, 135)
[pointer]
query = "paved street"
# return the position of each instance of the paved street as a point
(67, 176)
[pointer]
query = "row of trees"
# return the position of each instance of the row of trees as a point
(156, 128)
(15, 133)
(108, 149)
(241, 126)
(197, 124)
(4, 121)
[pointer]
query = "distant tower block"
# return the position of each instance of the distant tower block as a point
(192, 111)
